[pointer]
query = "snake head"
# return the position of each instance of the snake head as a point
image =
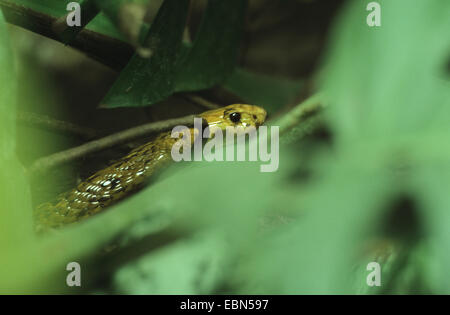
(236, 115)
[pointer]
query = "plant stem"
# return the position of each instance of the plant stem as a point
(47, 122)
(107, 142)
(107, 50)
(200, 101)
(306, 110)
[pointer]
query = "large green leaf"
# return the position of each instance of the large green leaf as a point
(390, 106)
(214, 53)
(15, 209)
(315, 253)
(148, 80)
(15, 204)
(431, 185)
(174, 67)
(193, 266)
(390, 79)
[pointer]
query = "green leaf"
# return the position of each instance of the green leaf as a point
(173, 67)
(390, 107)
(431, 185)
(127, 15)
(214, 53)
(145, 81)
(314, 254)
(381, 79)
(15, 207)
(7, 95)
(193, 266)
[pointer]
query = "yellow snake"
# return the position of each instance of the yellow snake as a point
(129, 173)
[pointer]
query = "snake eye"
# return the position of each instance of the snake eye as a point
(235, 117)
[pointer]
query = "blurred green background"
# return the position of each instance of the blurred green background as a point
(363, 177)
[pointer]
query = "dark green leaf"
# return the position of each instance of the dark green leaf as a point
(15, 206)
(148, 80)
(215, 49)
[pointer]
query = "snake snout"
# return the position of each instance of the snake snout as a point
(261, 116)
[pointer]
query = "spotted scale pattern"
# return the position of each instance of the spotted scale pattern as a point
(107, 186)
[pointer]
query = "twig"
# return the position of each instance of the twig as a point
(304, 129)
(107, 142)
(300, 113)
(55, 124)
(95, 45)
(69, 33)
(200, 101)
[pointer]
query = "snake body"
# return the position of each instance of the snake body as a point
(130, 173)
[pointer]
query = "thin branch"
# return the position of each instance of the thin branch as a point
(306, 110)
(304, 129)
(300, 121)
(200, 101)
(47, 122)
(69, 33)
(95, 45)
(108, 142)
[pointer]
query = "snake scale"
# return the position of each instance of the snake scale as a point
(128, 174)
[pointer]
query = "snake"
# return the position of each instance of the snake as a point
(131, 172)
